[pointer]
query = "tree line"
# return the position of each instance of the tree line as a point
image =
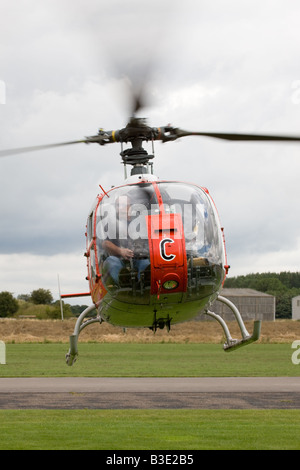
(39, 303)
(284, 286)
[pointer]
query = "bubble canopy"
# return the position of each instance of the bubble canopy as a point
(152, 238)
(121, 217)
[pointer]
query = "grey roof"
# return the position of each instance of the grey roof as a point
(234, 292)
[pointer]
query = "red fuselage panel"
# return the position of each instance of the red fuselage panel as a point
(167, 253)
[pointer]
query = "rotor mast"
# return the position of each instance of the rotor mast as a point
(136, 132)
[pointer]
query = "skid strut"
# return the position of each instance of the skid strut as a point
(81, 323)
(232, 343)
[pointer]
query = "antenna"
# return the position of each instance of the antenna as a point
(60, 300)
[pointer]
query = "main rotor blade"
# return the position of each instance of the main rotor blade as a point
(5, 153)
(177, 133)
(99, 139)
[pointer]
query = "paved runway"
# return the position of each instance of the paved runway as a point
(156, 393)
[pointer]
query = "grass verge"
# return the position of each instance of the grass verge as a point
(149, 429)
(149, 360)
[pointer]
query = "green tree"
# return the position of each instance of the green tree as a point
(77, 309)
(284, 305)
(41, 296)
(8, 304)
(55, 312)
(25, 297)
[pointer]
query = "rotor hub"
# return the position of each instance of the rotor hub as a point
(136, 132)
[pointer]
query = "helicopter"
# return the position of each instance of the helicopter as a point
(155, 249)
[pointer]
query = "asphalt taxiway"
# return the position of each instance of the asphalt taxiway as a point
(154, 393)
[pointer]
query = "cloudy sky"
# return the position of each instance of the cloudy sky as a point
(206, 65)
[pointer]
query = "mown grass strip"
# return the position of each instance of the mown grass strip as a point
(149, 429)
(149, 360)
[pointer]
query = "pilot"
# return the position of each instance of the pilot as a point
(119, 249)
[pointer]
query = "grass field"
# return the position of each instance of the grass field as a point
(149, 360)
(150, 429)
(55, 331)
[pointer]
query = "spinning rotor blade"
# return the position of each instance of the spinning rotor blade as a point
(4, 153)
(175, 133)
(100, 139)
(137, 130)
(137, 103)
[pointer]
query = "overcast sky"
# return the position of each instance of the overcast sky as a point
(209, 66)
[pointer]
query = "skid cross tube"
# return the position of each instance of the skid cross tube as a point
(232, 343)
(81, 323)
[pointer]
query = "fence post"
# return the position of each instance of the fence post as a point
(2, 353)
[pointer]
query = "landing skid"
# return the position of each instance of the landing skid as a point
(81, 323)
(232, 343)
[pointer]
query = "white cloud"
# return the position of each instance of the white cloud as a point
(35, 272)
(215, 66)
(278, 260)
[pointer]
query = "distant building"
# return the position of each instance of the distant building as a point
(252, 305)
(296, 308)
